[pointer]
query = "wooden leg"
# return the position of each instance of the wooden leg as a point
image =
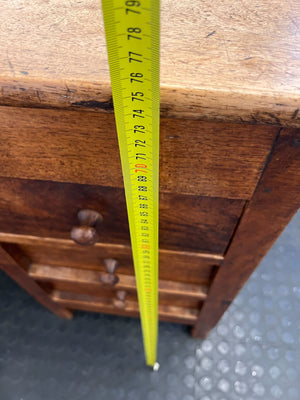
(276, 199)
(19, 275)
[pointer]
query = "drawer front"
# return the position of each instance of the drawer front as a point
(174, 266)
(80, 280)
(177, 298)
(49, 209)
(199, 158)
(168, 312)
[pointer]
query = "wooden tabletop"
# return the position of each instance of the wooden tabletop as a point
(224, 60)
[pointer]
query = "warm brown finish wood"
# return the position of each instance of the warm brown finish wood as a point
(88, 282)
(33, 240)
(184, 267)
(19, 275)
(218, 200)
(89, 278)
(275, 201)
(105, 305)
(200, 158)
(109, 293)
(241, 64)
(49, 209)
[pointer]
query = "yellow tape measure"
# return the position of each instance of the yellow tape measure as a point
(132, 37)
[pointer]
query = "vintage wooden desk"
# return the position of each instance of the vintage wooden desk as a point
(229, 159)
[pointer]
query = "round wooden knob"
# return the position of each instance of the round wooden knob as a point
(86, 234)
(119, 302)
(89, 217)
(109, 279)
(111, 265)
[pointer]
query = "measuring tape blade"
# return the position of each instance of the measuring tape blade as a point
(132, 38)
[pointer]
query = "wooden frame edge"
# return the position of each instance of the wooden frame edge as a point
(274, 202)
(20, 276)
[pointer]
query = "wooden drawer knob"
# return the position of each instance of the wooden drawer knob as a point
(86, 234)
(119, 302)
(110, 278)
(111, 265)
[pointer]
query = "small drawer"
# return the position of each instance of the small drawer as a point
(173, 266)
(79, 279)
(196, 157)
(86, 282)
(50, 209)
(170, 313)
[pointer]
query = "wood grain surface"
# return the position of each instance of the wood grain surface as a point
(55, 279)
(196, 157)
(91, 279)
(110, 295)
(49, 209)
(176, 266)
(224, 60)
(105, 305)
(274, 203)
(6, 237)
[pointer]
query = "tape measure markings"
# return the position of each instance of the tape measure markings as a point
(132, 35)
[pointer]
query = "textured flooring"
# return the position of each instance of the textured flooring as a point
(253, 353)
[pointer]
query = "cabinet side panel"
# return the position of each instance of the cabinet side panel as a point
(276, 199)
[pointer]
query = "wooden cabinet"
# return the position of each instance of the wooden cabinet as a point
(229, 157)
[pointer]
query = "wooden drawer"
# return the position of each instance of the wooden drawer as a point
(75, 301)
(75, 277)
(176, 266)
(87, 282)
(196, 157)
(49, 209)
